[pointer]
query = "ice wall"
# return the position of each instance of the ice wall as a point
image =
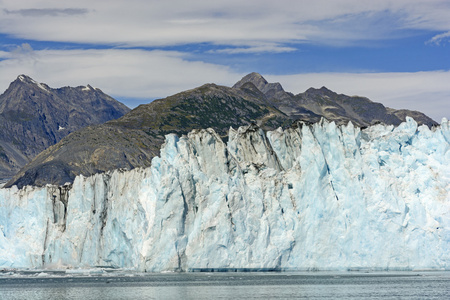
(317, 197)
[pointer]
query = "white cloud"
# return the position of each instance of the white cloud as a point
(23, 51)
(439, 38)
(272, 48)
(230, 22)
(37, 12)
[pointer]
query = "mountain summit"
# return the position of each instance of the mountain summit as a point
(34, 116)
(272, 91)
(134, 139)
(255, 78)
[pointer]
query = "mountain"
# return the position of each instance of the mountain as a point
(34, 116)
(310, 197)
(134, 139)
(314, 104)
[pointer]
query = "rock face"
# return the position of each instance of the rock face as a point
(311, 197)
(34, 116)
(133, 140)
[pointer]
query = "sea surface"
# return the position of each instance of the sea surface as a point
(240, 285)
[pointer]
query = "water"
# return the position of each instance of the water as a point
(318, 285)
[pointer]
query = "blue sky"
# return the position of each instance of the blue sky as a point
(394, 52)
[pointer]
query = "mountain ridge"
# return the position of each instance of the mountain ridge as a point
(314, 104)
(134, 139)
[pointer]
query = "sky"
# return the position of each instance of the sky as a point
(396, 52)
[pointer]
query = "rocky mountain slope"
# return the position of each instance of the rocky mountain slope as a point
(34, 116)
(133, 140)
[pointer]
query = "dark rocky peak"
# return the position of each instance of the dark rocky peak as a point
(260, 82)
(26, 83)
(254, 78)
(322, 91)
(24, 80)
(24, 94)
(273, 91)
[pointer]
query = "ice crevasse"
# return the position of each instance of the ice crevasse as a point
(312, 197)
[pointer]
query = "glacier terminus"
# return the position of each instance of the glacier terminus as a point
(311, 197)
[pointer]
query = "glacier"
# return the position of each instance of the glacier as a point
(311, 197)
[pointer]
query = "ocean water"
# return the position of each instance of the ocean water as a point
(284, 285)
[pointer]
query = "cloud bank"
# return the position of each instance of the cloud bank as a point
(147, 75)
(134, 36)
(119, 72)
(232, 22)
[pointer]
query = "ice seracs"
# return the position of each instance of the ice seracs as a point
(314, 197)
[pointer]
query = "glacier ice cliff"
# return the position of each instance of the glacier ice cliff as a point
(314, 197)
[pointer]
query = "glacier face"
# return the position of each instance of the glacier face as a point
(317, 197)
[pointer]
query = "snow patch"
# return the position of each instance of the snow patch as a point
(29, 80)
(42, 87)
